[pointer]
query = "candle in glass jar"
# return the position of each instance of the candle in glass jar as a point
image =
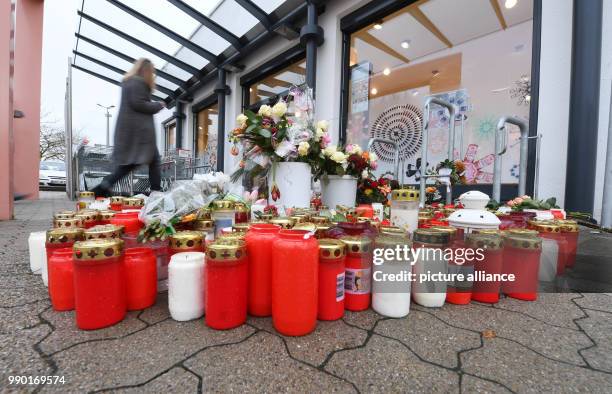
(61, 280)
(84, 199)
(141, 278)
(332, 259)
(569, 230)
(206, 227)
(491, 246)
(38, 254)
(186, 286)
(259, 241)
(241, 213)
(391, 298)
(116, 203)
(521, 258)
(431, 259)
(185, 241)
(222, 215)
(59, 238)
(405, 209)
(358, 272)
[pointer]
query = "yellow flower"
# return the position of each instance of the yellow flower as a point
(322, 124)
(303, 148)
(265, 110)
(242, 119)
(279, 109)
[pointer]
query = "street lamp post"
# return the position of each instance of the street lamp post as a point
(108, 116)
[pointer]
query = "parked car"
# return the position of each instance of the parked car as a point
(52, 173)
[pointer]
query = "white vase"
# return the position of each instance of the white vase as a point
(293, 180)
(339, 190)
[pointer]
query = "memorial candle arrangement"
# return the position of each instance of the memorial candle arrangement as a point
(259, 242)
(332, 260)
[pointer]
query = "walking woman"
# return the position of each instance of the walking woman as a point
(134, 141)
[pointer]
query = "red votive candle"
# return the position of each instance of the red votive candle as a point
(332, 256)
(259, 241)
(358, 273)
(61, 280)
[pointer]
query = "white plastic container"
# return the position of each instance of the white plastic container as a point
(474, 215)
(339, 190)
(548, 260)
(405, 209)
(38, 253)
(186, 286)
(431, 294)
(391, 298)
(293, 180)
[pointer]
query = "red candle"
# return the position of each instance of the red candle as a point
(226, 284)
(569, 231)
(133, 203)
(185, 241)
(131, 227)
(61, 281)
(365, 210)
(522, 259)
(491, 263)
(295, 261)
(332, 255)
(59, 238)
(71, 222)
(241, 213)
(88, 217)
(116, 203)
(358, 273)
(99, 283)
(104, 231)
(551, 230)
(259, 240)
(458, 292)
(140, 278)
(106, 216)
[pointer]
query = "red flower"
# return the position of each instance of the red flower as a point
(374, 185)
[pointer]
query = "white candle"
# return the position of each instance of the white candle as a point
(38, 253)
(186, 286)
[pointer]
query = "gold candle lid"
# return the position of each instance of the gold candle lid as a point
(116, 200)
(185, 240)
(104, 231)
(320, 219)
(392, 230)
(490, 231)
(520, 241)
(241, 227)
(107, 215)
(223, 205)
(547, 227)
(452, 231)
(226, 251)
(233, 236)
(357, 245)
(386, 240)
(64, 215)
(307, 226)
(61, 235)
(405, 195)
(240, 207)
(284, 222)
(568, 226)
(87, 194)
(321, 230)
(298, 219)
(87, 216)
(524, 232)
(266, 217)
(203, 213)
(330, 248)
(484, 241)
(203, 225)
(135, 202)
(431, 237)
(67, 223)
(97, 249)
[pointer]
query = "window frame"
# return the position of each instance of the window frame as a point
(201, 105)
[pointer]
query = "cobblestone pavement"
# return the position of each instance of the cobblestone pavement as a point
(561, 343)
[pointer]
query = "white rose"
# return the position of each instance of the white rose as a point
(364, 174)
(265, 110)
(279, 109)
(356, 150)
(319, 133)
(303, 148)
(241, 119)
(330, 150)
(322, 124)
(338, 157)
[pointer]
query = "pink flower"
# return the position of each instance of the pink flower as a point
(374, 164)
(526, 197)
(510, 203)
(518, 200)
(326, 139)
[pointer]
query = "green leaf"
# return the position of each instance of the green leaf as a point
(265, 133)
(251, 128)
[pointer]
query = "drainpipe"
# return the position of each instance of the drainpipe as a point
(311, 36)
(606, 204)
(222, 90)
(178, 113)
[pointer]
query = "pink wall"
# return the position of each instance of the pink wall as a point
(28, 60)
(6, 111)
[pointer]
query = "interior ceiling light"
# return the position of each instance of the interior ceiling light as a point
(510, 3)
(387, 71)
(378, 25)
(405, 44)
(374, 91)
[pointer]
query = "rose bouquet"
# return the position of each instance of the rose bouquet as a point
(526, 202)
(285, 132)
(350, 160)
(371, 190)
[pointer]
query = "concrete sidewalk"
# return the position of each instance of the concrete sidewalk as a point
(560, 343)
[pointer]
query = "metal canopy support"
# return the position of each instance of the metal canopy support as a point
(311, 36)
(500, 149)
(109, 80)
(146, 47)
(160, 73)
(118, 70)
(209, 23)
(211, 57)
(222, 90)
(257, 12)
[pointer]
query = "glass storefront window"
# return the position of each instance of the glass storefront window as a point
(206, 135)
(276, 85)
(475, 54)
(170, 137)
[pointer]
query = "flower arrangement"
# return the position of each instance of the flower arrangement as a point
(350, 160)
(370, 190)
(452, 169)
(526, 202)
(284, 132)
(432, 195)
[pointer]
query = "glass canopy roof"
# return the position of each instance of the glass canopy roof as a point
(185, 39)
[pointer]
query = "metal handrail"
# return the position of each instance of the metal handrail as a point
(500, 148)
(451, 144)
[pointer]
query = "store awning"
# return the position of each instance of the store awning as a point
(187, 40)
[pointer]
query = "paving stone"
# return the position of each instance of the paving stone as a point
(17, 318)
(139, 357)
(598, 301)
(472, 384)
(598, 327)
(555, 342)
(260, 364)
(551, 308)
(157, 312)
(525, 371)
(429, 337)
(18, 357)
(329, 336)
(384, 365)
(20, 296)
(66, 334)
(364, 319)
(176, 380)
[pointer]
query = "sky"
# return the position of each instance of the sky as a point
(60, 24)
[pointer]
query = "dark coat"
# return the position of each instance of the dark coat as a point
(135, 131)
